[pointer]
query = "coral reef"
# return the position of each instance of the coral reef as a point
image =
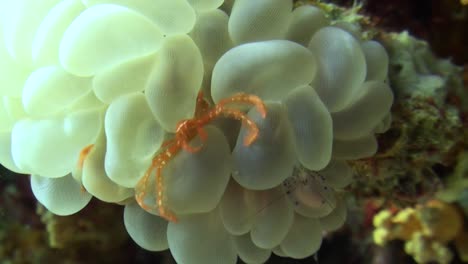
(428, 133)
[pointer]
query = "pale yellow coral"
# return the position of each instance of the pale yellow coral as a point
(426, 250)
(406, 223)
(426, 230)
(440, 220)
(400, 226)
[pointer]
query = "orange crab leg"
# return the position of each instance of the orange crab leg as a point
(82, 157)
(202, 133)
(245, 99)
(163, 212)
(158, 163)
(83, 154)
(252, 134)
(140, 189)
(186, 146)
(220, 109)
(202, 105)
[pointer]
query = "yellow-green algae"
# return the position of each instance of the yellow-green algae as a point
(427, 134)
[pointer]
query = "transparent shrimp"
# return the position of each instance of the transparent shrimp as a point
(267, 215)
(320, 194)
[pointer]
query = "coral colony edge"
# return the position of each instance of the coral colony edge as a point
(226, 130)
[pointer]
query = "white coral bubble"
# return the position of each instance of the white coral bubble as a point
(50, 147)
(337, 174)
(237, 209)
(273, 218)
(269, 160)
(201, 238)
(132, 138)
(269, 69)
(341, 66)
(352, 28)
(305, 21)
(376, 60)
(6, 122)
(89, 44)
(13, 75)
(335, 219)
(210, 33)
(205, 5)
(363, 115)
(385, 125)
(174, 83)
(266, 214)
(20, 25)
(259, 20)
(94, 177)
(170, 16)
(359, 148)
(312, 126)
(124, 78)
(196, 181)
(49, 90)
(47, 39)
(147, 230)
(14, 108)
(61, 196)
(279, 252)
(249, 252)
(6, 158)
(303, 239)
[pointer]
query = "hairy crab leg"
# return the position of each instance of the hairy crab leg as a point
(202, 134)
(245, 99)
(158, 163)
(186, 146)
(140, 189)
(202, 105)
(239, 115)
(163, 211)
(220, 109)
(81, 159)
(83, 154)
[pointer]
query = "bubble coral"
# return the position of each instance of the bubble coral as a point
(121, 74)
